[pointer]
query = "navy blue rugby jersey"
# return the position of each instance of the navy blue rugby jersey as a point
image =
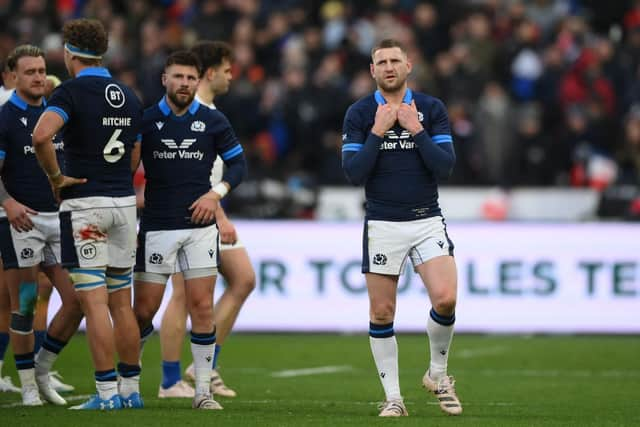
(102, 122)
(400, 172)
(178, 153)
(21, 174)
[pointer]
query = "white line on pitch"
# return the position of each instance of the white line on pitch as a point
(471, 353)
(359, 403)
(67, 398)
(289, 373)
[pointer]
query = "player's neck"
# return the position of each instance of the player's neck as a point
(30, 100)
(394, 97)
(79, 67)
(206, 95)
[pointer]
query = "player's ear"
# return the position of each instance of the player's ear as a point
(371, 70)
(210, 73)
(164, 79)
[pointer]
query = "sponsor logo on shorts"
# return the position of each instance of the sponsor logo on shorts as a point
(441, 244)
(26, 253)
(88, 251)
(380, 259)
(155, 258)
(211, 252)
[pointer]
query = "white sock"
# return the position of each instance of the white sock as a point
(107, 389)
(44, 363)
(27, 376)
(440, 337)
(202, 357)
(129, 385)
(385, 354)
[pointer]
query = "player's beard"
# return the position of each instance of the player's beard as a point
(391, 87)
(181, 102)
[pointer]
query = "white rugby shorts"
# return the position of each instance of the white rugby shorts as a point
(171, 251)
(98, 232)
(29, 248)
(386, 244)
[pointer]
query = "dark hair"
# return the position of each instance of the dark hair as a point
(88, 35)
(212, 53)
(22, 51)
(387, 43)
(184, 57)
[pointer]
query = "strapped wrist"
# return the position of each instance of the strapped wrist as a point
(55, 175)
(220, 189)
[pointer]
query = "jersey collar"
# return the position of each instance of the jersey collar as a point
(21, 103)
(94, 72)
(407, 98)
(212, 105)
(166, 110)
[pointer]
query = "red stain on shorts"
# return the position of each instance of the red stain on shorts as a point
(91, 232)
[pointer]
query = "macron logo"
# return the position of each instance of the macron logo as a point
(159, 125)
(186, 143)
(24, 121)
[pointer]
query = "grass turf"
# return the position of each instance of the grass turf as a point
(502, 381)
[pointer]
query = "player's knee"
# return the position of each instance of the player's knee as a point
(21, 324)
(383, 312)
(203, 305)
(201, 310)
(246, 285)
(445, 304)
(28, 295)
(143, 314)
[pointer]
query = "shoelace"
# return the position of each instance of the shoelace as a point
(446, 385)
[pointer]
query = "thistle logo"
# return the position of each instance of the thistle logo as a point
(198, 126)
(380, 259)
(156, 258)
(26, 253)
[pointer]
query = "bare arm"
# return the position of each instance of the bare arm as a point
(49, 124)
(17, 213)
(135, 156)
(225, 226)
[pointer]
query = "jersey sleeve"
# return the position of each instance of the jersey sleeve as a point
(353, 136)
(226, 142)
(3, 137)
(229, 149)
(61, 103)
(359, 149)
(439, 127)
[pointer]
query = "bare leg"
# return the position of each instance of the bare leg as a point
(241, 281)
(174, 322)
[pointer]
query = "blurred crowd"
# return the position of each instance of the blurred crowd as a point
(539, 92)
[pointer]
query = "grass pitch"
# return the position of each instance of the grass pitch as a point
(330, 380)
